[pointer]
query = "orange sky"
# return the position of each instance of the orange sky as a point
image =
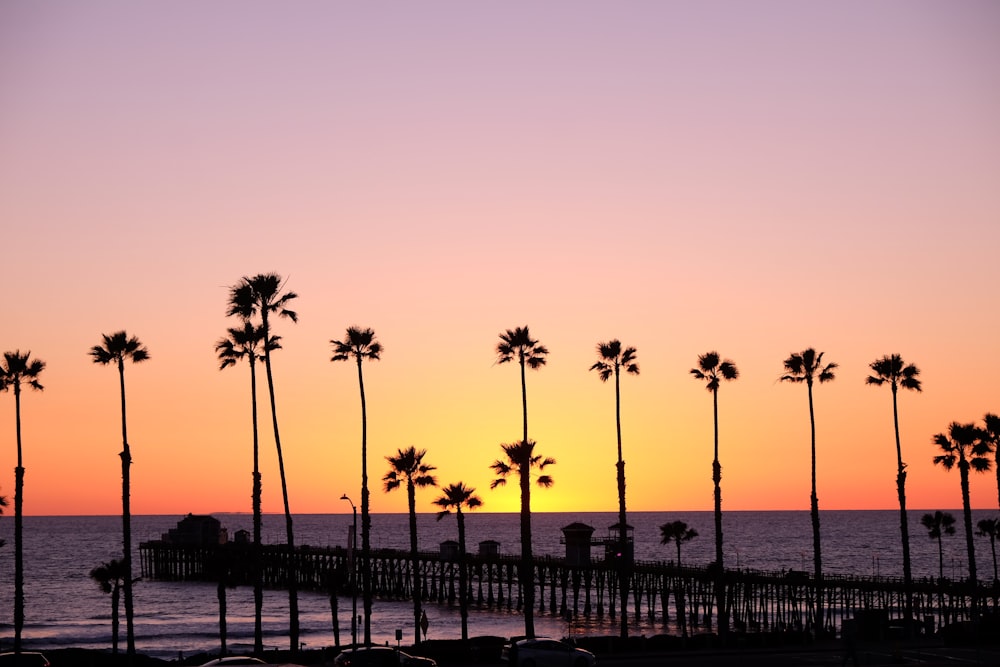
(755, 178)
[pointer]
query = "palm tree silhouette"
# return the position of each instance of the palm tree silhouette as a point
(3, 504)
(965, 445)
(807, 366)
(360, 344)
(677, 532)
(991, 427)
(19, 368)
(118, 348)
(611, 360)
(408, 466)
(454, 497)
(937, 525)
(521, 459)
(261, 295)
(517, 344)
(247, 343)
(109, 578)
(990, 528)
(893, 370)
(713, 370)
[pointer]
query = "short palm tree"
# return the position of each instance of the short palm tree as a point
(807, 366)
(990, 528)
(612, 359)
(892, 370)
(261, 296)
(19, 368)
(938, 525)
(991, 426)
(360, 344)
(117, 348)
(518, 345)
(521, 460)
(109, 577)
(407, 467)
(455, 497)
(247, 342)
(677, 532)
(965, 446)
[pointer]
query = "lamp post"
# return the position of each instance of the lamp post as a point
(354, 578)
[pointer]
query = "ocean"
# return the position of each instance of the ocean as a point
(65, 607)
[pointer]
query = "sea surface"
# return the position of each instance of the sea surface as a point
(65, 607)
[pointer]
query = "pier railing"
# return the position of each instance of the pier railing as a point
(683, 599)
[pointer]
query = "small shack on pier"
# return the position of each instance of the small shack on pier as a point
(577, 537)
(201, 530)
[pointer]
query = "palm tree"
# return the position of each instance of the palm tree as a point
(454, 497)
(109, 578)
(360, 344)
(991, 426)
(713, 370)
(246, 343)
(117, 348)
(990, 528)
(3, 504)
(677, 532)
(807, 366)
(517, 344)
(261, 295)
(893, 370)
(521, 459)
(19, 368)
(965, 445)
(611, 360)
(937, 525)
(408, 466)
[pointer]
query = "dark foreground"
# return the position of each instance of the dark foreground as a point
(703, 651)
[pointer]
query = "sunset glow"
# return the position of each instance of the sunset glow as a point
(753, 178)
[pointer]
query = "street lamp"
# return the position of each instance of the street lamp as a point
(354, 577)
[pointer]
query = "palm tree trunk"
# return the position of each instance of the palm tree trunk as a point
(720, 589)
(963, 468)
(366, 522)
(904, 528)
(411, 497)
(463, 584)
(18, 529)
(293, 596)
(624, 561)
(527, 575)
(258, 579)
(126, 457)
(814, 509)
(115, 622)
(221, 594)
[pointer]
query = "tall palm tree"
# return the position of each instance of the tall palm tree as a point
(937, 525)
(990, 528)
(898, 374)
(965, 445)
(19, 368)
(611, 360)
(360, 344)
(408, 466)
(991, 427)
(807, 366)
(247, 342)
(678, 532)
(521, 459)
(109, 578)
(518, 345)
(261, 296)
(454, 497)
(117, 348)
(712, 370)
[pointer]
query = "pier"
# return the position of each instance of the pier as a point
(680, 597)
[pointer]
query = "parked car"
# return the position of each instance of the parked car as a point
(231, 660)
(543, 652)
(26, 659)
(379, 656)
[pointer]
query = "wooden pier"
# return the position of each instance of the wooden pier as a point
(680, 598)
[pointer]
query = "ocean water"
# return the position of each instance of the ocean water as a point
(65, 607)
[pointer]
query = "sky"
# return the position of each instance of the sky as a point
(753, 178)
